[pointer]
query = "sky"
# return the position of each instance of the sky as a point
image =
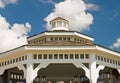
(22, 18)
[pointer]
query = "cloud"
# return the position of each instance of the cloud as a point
(116, 44)
(47, 1)
(3, 3)
(12, 36)
(91, 6)
(75, 12)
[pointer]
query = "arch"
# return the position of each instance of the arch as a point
(12, 75)
(109, 74)
(62, 72)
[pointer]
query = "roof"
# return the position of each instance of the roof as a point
(58, 18)
(69, 33)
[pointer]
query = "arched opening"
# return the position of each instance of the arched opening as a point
(12, 75)
(109, 75)
(61, 73)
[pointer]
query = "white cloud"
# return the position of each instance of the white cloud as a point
(91, 6)
(75, 12)
(12, 36)
(116, 44)
(47, 1)
(3, 3)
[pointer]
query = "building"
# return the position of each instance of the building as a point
(60, 56)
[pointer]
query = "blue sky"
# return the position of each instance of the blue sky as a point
(105, 27)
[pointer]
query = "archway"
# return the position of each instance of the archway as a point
(65, 73)
(109, 75)
(12, 75)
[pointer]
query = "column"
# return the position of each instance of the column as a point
(92, 67)
(29, 73)
(29, 69)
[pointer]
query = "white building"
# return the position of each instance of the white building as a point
(60, 56)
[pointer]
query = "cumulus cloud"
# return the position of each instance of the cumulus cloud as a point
(3, 3)
(75, 12)
(12, 36)
(116, 44)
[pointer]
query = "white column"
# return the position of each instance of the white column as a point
(29, 73)
(92, 67)
(29, 69)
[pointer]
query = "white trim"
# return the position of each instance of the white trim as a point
(84, 36)
(72, 48)
(12, 51)
(59, 28)
(61, 33)
(107, 50)
(60, 48)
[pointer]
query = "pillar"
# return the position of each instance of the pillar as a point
(92, 68)
(29, 73)
(29, 69)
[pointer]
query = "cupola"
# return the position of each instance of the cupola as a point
(59, 24)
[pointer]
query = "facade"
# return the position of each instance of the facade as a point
(60, 56)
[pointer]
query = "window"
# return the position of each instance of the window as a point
(71, 56)
(5, 62)
(8, 62)
(13, 60)
(55, 56)
(98, 57)
(116, 62)
(66, 56)
(34, 56)
(59, 24)
(56, 38)
(61, 56)
(82, 56)
(40, 56)
(23, 57)
(64, 38)
(105, 59)
(76, 56)
(108, 60)
(60, 38)
(19, 58)
(51, 38)
(119, 63)
(50, 56)
(68, 38)
(101, 58)
(45, 56)
(16, 59)
(87, 56)
(74, 39)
